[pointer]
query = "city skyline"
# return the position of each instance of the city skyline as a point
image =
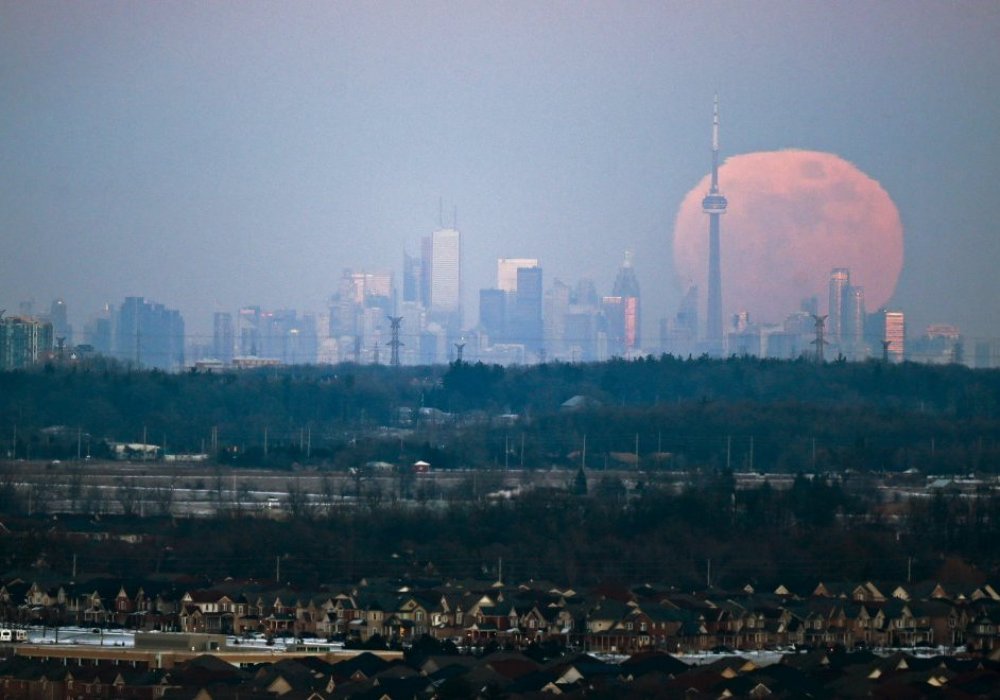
(564, 134)
(520, 321)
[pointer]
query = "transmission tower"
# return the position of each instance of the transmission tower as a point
(820, 341)
(458, 348)
(395, 343)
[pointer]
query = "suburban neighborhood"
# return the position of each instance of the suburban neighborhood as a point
(512, 638)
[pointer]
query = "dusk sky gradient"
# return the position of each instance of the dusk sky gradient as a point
(213, 155)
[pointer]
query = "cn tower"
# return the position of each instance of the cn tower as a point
(714, 204)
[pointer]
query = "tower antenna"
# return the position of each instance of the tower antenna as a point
(714, 204)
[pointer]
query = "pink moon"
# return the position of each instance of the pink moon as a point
(792, 217)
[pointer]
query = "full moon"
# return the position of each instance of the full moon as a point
(792, 217)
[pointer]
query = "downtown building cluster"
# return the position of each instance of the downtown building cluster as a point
(370, 319)
(846, 330)
(521, 320)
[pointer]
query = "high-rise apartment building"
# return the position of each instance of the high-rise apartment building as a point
(24, 341)
(149, 335)
(223, 337)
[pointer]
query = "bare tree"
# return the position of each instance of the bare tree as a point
(163, 498)
(74, 487)
(93, 501)
(299, 505)
(244, 498)
(329, 494)
(129, 496)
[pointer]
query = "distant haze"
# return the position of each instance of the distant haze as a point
(211, 155)
(792, 217)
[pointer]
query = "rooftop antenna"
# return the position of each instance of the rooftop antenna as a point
(820, 340)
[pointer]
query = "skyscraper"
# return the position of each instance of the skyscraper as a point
(149, 335)
(249, 331)
(446, 276)
(23, 341)
(894, 333)
(679, 335)
(840, 281)
(853, 322)
(60, 323)
(412, 275)
(526, 316)
(555, 308)
(714, 204)
(493, 314)
(97, 331)
(223, 337)
(626, 288)
(507, 271)
(426, 257)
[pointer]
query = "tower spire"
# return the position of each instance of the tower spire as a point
(715, 146)
(714, 204)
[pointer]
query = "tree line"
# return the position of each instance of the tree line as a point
(668, 412)
(823, 528)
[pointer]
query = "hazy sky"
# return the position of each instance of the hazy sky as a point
(211, 155)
